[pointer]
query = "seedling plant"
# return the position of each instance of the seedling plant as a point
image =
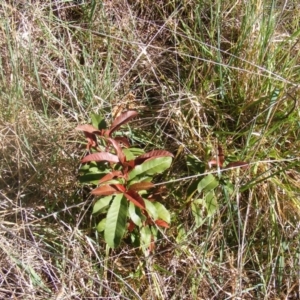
(201, 194)
(124, 176)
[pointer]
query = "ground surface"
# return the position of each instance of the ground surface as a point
(200, 74)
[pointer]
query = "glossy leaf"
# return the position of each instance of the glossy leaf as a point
(101, 156)
(87, 128)
(128, 154)
(141, 186)
(122, 119)
(98, 121)
(105, 190)
(101, 225)
(120, 187)
(101, 204)
(118, 149)
(162, 212)
(111, 176)
(91, 177)
(208, 183)
(132, 153)
(151, 167)
(162, 223)
(128, 166)
(116, 221)
(152, 154)
(92, 140)
(151, 209)
(94, 169)
(135, 198)
(134, 214)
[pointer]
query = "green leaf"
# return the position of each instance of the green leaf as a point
(94, 170)
(194, 165)
(151, 167)
(135, 239)
(116, 221)
(145, 235)
(98, 121)
(132, 153)
(84, 168)
(101, 225)
(140, 179)
(197, 212)
(154, 232)
(229, 187)
(101, 204)
(150, 207)
(91, 178)
(93, 167)
(192, 188)
(181, 234)
(135, 214)
(208, 183)
(211, 203)
(162, 212)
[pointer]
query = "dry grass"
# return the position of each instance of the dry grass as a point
(200, 73)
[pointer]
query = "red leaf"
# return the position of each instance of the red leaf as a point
(92, 140)
(220, 159)
(130, 164)
(135, 198)
(140, 186)
(162, 223)
(105, 190)
(152, 245)
(152, 154)
(241, 164)
(131, 226)
(212, 163)
(119, 187)
(105, 132)
(88, 128)
(110, 176)
(118, 149)
(122, 119)
(101, 156)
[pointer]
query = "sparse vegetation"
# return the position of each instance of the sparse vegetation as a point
(202, 75)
